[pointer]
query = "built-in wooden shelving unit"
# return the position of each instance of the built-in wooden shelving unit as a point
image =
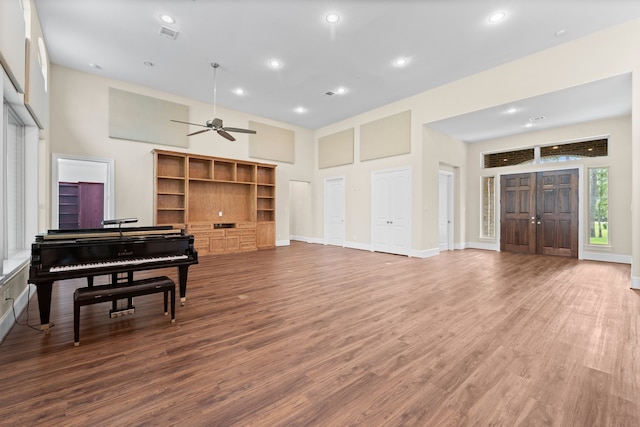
(227, 205)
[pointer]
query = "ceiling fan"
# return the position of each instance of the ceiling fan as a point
(216, 123)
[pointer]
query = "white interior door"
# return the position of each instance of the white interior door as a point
(334, 211)
(391, 211)
(445, 211)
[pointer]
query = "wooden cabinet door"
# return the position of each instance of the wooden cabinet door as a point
(265, 235)
(232, 243)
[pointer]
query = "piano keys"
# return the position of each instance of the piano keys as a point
(67, 254)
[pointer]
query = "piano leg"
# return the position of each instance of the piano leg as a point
(44, 304)
(182, 276)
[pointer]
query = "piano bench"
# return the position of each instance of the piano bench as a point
(106, 293)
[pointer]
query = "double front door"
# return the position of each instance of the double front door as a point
(539, 213)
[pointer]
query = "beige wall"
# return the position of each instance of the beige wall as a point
(79, 127)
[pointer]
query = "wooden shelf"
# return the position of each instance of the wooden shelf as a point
(202, 192)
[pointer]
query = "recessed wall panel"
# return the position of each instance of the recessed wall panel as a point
(271, 143)
(335, 149)
(143, 118)
(386, 137)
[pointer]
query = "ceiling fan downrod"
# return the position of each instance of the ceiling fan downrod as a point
(215, 66)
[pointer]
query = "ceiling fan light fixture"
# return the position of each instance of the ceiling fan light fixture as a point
(215, 124)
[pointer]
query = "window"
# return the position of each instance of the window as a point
(574, 151)
(599, 206)
(509, 158)
(488, 207)
(548, 153)
(14, 185)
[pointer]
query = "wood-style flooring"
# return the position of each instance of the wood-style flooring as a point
(313, 335)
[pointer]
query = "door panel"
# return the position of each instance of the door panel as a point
(518, 201)
(558, 213)
(391, 211)
(539, 213)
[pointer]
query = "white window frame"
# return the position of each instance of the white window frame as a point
(28, 181)
(482, 207)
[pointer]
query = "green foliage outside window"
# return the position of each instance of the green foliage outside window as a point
(599, 206)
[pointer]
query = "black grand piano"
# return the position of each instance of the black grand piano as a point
(68, 254)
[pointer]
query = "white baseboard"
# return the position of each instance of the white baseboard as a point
(283, 242)
(483, 245)
(7, 321)
(605, 257)
(360, 246)
(424, 253)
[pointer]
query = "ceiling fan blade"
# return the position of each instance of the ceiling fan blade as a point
(187, 123)
(225, 134)
(199, 131)
(239, 130)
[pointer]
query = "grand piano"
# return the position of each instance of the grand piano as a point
(68, 254)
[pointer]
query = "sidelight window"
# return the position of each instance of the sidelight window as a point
(599, 206)
(488, 207)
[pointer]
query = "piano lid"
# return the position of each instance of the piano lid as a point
(88, 233)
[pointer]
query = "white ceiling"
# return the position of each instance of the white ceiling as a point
(444, 40)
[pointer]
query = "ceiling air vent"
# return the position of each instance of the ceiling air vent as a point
(329, 93)
(168, 33)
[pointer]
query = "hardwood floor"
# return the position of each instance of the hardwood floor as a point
(325, 336)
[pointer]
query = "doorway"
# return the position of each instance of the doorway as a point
(76, 169)
(445, 211)
(300, 212)
(539, 213)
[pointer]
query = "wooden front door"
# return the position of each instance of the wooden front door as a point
(539, 213)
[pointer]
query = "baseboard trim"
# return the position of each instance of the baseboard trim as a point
(596, 256)
(482, 245)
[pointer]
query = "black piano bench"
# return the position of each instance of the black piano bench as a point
(106, 293)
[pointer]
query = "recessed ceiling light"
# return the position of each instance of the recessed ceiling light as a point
(275, 63)
(166, 18)
(497, 17)
(400, 62)
(341, 91)
(238, 91)
(511, 110)
(528, 125)
(332, 18)
(300, 110)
